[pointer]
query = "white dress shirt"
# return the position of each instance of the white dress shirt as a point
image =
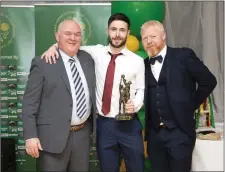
(75, 120)
(129, 64)
(156, 68)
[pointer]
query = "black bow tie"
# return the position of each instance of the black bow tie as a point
(153, 59)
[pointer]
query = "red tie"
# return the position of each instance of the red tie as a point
(107, 94)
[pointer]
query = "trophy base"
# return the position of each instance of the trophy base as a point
(124, 117)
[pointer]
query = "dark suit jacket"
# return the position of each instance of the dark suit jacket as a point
(184, 70)
(47, 101)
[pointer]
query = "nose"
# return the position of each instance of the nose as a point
(117, 33)
(73, 37)
(149, 40)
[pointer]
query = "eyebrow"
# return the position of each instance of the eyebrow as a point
(118, 28)
(73, 32)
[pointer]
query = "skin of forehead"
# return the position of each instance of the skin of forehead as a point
(65, 23)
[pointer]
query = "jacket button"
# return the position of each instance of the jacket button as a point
(69, 120)
(71, 105)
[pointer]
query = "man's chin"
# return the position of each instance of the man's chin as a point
(149, 53)
(72, 53)
(152, 53)
(117, 45)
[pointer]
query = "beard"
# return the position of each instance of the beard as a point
(119, 45)
(152, 52)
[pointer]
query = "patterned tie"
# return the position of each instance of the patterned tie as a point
(107, 94)
(79, 90)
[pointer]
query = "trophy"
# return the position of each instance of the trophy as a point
(124, 90)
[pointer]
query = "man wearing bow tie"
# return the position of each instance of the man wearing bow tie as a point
(171, 97)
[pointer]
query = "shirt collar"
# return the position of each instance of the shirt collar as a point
(123, 51)
(65, 57)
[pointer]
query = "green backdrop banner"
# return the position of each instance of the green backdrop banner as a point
(17, 50)
(24, 33)
(92, 19)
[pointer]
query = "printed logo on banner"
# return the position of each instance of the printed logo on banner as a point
(22, 71)
(7, 30)
(12, 92)
(4, 110)
(4, 91)
(13, 131)
(80, 19)
(19, 107)
(20, 89)
(20, 128)
(12, 110)
(4, 73)
(12, 73)
(4, 128)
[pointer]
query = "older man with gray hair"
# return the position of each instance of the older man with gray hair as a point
(58, 102)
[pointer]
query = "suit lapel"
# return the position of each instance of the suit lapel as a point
(146, 69)
(146, 77)
(169, 63)
(148, 66)
(62, 71)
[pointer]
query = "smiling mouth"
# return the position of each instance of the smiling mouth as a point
(72, 43)
(117, 39)
(150, 46)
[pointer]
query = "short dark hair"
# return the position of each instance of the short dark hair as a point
(119, 16)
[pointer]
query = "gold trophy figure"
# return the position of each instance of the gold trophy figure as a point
(124, 90)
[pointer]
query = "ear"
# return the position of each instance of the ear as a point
(164, 35)
(57, 36)
(107, 31)
(128, 33)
